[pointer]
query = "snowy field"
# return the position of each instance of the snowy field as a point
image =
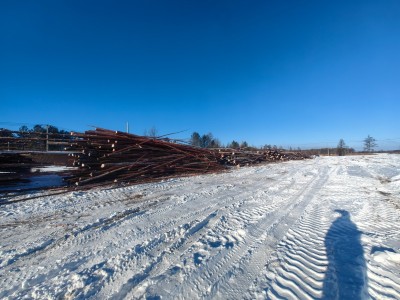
(323, 228)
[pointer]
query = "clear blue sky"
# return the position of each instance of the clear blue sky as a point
(297, 73)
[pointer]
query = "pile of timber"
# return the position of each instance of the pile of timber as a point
(107, 156)
(32, 141)
(13, 166)
(15, 162)
(295, 155)
(111, 156)
(233, 157)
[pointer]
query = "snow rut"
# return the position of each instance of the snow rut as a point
(269, 232)
(218, 260)
(297, 269)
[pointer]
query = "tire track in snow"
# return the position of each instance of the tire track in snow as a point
(157, 271)
(229, 263)
(253, 262)
(221, 203)
(298, 268)
(91, 233)
(159, 255)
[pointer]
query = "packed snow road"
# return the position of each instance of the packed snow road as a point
(323, 228)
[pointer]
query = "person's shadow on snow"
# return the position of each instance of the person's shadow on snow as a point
(345, 277)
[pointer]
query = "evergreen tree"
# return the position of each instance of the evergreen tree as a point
(369, 144)
(195, 139)
(234, 145)
(341, 148)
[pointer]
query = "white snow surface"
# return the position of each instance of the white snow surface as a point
(48, 169)
(323, 228)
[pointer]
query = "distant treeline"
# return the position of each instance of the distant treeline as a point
(23, 131)
(209, 141)
(39, 137)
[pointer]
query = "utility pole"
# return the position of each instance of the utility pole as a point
(47, 138)
(127, 127)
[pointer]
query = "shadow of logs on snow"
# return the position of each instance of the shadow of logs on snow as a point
(346, 274)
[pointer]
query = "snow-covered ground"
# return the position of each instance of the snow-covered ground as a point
(322, 228)
(52, 169)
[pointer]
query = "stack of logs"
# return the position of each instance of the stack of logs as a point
(13, 165)
(109, 156)
(233, 157)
